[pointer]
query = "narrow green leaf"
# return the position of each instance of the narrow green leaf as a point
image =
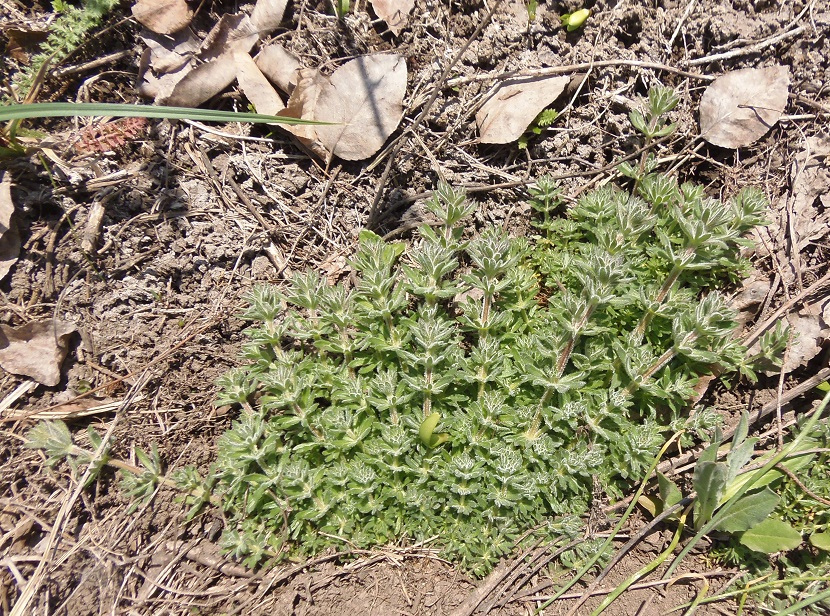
(739, 456)
(670, 494)
(741, 430)
(771, 536)
(793, 464)
(748, 511)
(821, 540)
(709, 481)
(53, 110)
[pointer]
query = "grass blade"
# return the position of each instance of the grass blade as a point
(52, 110)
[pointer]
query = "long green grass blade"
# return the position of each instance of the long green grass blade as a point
(53, 110)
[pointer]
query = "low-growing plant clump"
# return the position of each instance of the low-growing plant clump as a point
(469, 391)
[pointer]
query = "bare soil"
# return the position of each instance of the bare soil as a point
(155, 301)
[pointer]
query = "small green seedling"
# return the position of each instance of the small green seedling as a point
(341, 8)
(542, 121)
(532, 5)
(574, 21)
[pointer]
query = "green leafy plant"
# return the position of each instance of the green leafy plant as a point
(470, 390)
(541, 122)
(138, 482)
(652, 124)
(66, 34)
(466, 391)
(762, 522)
(717, 483)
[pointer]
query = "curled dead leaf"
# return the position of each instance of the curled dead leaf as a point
(231, 34)
(162, 16)
(514, 104)
(267, 15)
(36, 349)
(9, 235)
(169, 53)
(279, 66)
(739, 107)
(201, 83)
(256, 88)
(394, 12)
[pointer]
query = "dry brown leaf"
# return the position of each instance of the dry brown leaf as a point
(256, 88)
(301, 104)
(279, 66)
(739, 107)
(514, 105)
(162, 16)
(810, 331)
(810, 175)
(169, 53)
(201, 83)
(394, 12)
(365, 98)
(231, 34)
(36, 349)
(267, 15)
(9, 235)
(21, 40)
(161, 88)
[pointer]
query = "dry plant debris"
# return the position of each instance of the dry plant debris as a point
(9, 236)
(363, 98)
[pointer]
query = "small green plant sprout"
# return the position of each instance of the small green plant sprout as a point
(574, 21)
(138, 482)
(532, 5)
(651, 124)
(541, 122)
(341, 8)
